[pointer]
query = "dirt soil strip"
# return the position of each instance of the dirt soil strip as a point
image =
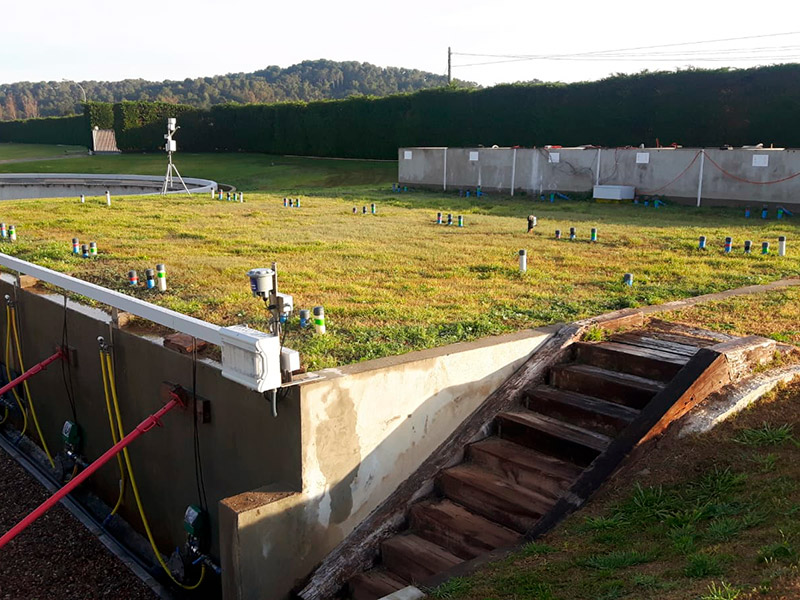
(56, 557)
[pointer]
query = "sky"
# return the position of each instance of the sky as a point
(155, 40)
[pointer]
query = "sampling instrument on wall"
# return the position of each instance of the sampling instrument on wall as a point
(264, 285)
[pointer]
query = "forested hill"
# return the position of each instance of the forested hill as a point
(309, 80)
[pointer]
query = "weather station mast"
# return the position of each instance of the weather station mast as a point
(171, 146)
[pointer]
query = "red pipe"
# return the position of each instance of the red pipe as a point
(140, 429)
(32, 371)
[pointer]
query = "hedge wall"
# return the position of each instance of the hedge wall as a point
(52, 130)
(99, 114)
(693, 108)
(140, 126)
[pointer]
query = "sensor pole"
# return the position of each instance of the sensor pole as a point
(171, 146)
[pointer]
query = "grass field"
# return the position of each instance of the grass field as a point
(34, 151)
(395, 281)
(711, 517)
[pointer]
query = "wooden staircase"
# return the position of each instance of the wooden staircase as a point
(509, 480)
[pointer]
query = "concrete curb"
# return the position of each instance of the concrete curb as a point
(102, 180)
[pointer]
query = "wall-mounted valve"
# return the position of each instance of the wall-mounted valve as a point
(185, 561)
(72, 438)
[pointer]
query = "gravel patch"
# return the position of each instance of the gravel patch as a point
(56, 557)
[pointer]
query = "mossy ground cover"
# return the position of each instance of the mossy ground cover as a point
(394, 281)
(712, 517)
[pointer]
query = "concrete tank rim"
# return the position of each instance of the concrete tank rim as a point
(195, 184)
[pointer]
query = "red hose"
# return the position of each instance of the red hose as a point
(32, 371)
(140, 429)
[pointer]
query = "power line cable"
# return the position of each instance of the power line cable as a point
(630, 49)
(619, 52)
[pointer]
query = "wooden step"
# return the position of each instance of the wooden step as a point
(626, 358)
(374, 584)
(585, 411)
(525, 467)
(613, 386)
(458, 530)
(652, 342)
(494, 497)
(552, 436)
(415, 559)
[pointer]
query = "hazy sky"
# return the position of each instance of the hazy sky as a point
(150, 39)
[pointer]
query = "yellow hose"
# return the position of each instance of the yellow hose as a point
(135, 488)
(8, 372)
(28, 391)
(114, 438)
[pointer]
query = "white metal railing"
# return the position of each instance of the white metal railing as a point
(157, 314)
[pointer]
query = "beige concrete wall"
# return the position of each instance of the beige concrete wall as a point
(673, 173)
(364, 428)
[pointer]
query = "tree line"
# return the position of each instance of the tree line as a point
(307, 81)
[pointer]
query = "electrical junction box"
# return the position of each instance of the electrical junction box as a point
(614, 192)
(284, 302)
(251, 357)
(290, 360)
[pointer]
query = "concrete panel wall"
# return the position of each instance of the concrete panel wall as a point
(424, 165)
(728, 175)
(365, 429)
(243, 447)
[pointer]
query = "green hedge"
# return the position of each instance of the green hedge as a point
(52, 130)
(140, 126)
(692, 108)
(99, 114)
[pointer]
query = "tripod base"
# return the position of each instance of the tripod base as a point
(169, 178)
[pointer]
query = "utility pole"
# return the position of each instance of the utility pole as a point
(449, 66)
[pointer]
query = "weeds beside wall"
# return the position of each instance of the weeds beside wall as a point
(691, 108)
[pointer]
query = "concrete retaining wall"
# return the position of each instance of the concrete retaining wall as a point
(365, 429)
(672, 173)
(243, 447)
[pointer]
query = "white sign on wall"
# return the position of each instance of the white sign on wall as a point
(407, 154)
(642, 158)
(553, 157)
(473, 156)
(760, 160)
